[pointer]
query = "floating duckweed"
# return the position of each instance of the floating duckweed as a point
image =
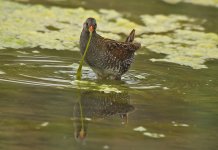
(36, 27)
(143, 87)
(89, 85)
(111, 35)
(36, 52)
(180, 39)
(185, 47)
(140, 76)
(163, 23)
(106, 147)
(110, 14)
(140, 129)
(175, 124)
(172, 1)
(154, 135)
(213, 3)
(2, 72)
(44, 124)
(165, 88)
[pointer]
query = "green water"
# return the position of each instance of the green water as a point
(177, 105)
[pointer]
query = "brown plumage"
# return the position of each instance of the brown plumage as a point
(108, 58)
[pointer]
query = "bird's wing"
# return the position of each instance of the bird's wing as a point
(122, 50)
(123, 46)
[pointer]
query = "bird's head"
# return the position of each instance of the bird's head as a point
(90, 25)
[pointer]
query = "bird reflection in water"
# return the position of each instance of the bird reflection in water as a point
(99, 105)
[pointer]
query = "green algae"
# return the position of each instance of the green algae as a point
(213, 3)
(184, 47)
(182, 40)
(28, 26)
(164, 23)
(89, 85)
(2, 72)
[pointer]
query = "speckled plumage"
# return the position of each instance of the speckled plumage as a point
(108, 58)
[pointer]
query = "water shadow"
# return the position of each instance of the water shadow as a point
(93, 105)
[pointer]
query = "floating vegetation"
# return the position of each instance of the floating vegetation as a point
(145, 87)
(175, 124)
(181, 38)
(52, 28)
(154, 135)
(213, 3)
(184, 47)
(140, 129)
(44, 124)
(163, 24)
(165, 88)
(148, 134)
(89, 85)
(36, 52)
(140, 76)
(2, 72)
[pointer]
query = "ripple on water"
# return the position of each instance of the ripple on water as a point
(29, 82)
(47, 79)
(42, 70)
(2, 72)
(89, 83)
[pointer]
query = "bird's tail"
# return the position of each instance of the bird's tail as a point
(131, 36)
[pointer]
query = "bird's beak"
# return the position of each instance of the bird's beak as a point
(91, 29)
(82, 135)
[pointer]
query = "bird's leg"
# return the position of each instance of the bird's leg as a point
(124, 118)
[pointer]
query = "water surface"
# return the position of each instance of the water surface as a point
(176, 105)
